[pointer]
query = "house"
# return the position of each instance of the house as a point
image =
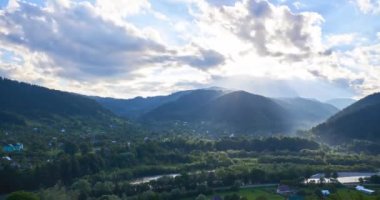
(284, 190)
(7, 158)
(364, 190)
(13, 147)
(325, 192)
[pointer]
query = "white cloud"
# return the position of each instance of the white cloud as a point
(72, 41)
(368, 6)
(94, 48)
(341, 39)
(121, 8)
(298, 5)
(271, 30)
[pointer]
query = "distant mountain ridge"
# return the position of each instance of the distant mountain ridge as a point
(341, 103)
(358, 121)
(306, 113)
(134, 108)
(244, 112)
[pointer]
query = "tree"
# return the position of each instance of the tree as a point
(361, 180)
(109, 197)
(103, 188)
(84, 148)
(70, 148)
(261, 198)
(232, 197)
(201, 197)
(58, 192)
(202, 188)
(318, 193)
(374, 179)
(21, 195)
(308, 173)
(149, 195)
(328, 173)
(322, 180)
(334, 175)
(83, 186)
(335, 197)
(236, 185)
(257, 175)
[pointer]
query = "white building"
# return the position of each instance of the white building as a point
(325, 192)
(364, 190)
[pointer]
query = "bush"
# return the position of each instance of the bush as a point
(201, 197)
(109, 197)
(21, 195)
(261, 198)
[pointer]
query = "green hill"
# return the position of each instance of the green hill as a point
(240, 112)
(358, 121)
(24, 105)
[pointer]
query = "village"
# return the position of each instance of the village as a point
(225, 166)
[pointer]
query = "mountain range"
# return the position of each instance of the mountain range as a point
(213, 109)
(224, 110)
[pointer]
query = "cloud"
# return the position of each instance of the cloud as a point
(206, 59)
(121, 8)
(82, 43)
(76, 39)
(368, 6)
(126, 48)
(271, 30)
(341, 39)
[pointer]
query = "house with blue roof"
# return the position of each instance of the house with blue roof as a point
(9, 148)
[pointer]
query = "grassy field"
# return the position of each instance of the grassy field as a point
(345, 194)
(269, 193)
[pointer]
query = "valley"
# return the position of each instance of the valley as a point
(189, 145)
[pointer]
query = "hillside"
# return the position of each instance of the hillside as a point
(241, 112)
(306, 113)
(23, 105)
(189, 107)
(247, 113)
(358, 121)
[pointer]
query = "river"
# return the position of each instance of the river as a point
(147, 179)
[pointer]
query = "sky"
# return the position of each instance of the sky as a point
(127, 48)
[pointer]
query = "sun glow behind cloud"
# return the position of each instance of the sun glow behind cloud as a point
(128, 48)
